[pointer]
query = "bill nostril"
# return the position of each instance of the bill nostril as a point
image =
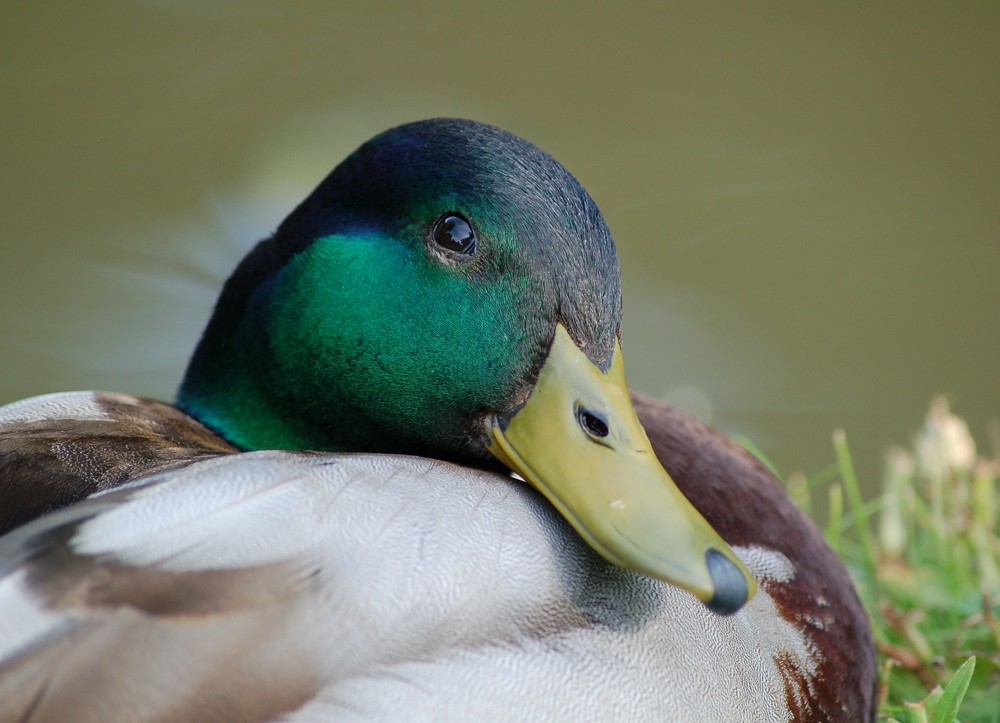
(594, 423)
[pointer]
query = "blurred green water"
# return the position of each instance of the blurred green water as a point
(805, 197)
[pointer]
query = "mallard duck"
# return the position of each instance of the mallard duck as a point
(486, 524)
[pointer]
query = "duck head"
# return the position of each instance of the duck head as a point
(451, 290)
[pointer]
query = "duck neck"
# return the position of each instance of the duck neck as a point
(222, 391)
(223, 388)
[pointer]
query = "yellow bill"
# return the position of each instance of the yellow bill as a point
(579, 442)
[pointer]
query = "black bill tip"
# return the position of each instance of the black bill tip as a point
(730, 585)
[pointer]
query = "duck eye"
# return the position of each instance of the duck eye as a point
(453, 232)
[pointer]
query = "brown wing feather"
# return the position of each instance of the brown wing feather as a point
(48, 464)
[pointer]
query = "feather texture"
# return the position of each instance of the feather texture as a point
(300, 586)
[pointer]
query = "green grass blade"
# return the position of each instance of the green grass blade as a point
(854, 498)
(951, 699)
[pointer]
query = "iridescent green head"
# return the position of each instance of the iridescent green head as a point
(414, 292)
(451, 290)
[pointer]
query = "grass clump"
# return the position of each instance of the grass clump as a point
(925, 557)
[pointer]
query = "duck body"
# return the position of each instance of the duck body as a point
(271, 548)
(280, 585)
